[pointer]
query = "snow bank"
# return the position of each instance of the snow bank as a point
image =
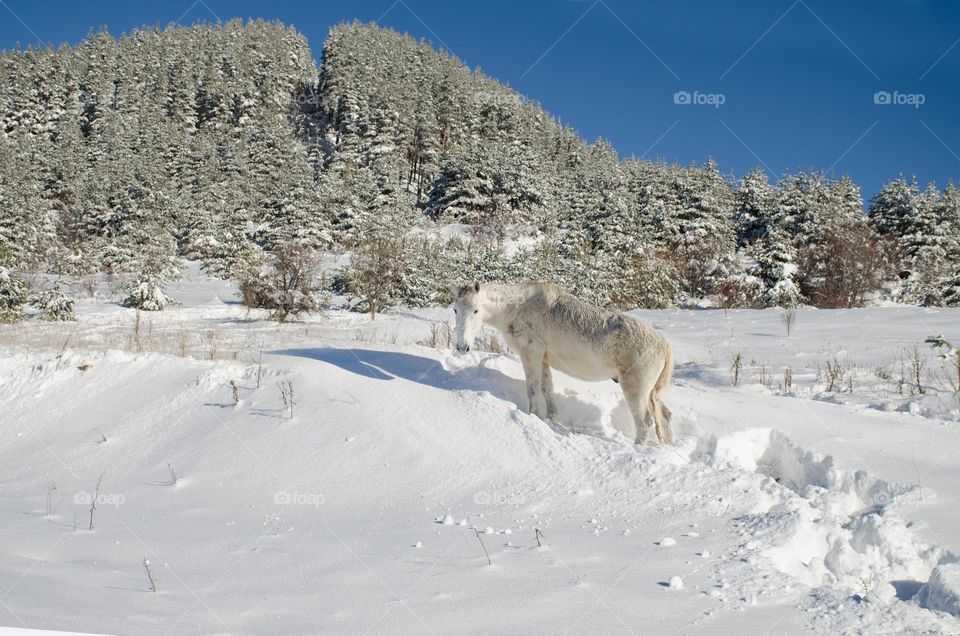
(943, 591)
(839, 525)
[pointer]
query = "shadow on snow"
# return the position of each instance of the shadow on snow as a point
(574, 413)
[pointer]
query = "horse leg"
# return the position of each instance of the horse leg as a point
(548, 389)
(661, 417)
(636, 387)
(533, 370)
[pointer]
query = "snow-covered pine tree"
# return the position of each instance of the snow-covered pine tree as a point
(845, 204)
(13, 296)
(464, 191)
(776, 268)
(950, 291)
(53, 305)
(21, 209)
(930, 245)
(893, 208)
(154, 267)
(754, 207)
(704, 224)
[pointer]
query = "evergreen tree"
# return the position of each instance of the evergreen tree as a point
(893, 208)
(53, 305)
(704, 230)
(754, 207)
(777, 270)
(13, 296)
(464, 192)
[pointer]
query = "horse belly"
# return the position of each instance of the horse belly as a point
(581, 363)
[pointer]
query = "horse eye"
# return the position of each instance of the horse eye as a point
(454, 311)
(476, 310)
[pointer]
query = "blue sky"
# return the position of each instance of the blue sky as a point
(797, 78)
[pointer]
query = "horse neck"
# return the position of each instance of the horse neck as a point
(500, 303)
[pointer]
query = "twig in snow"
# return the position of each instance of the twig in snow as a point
(153, 581)
(483, 545)
(286, 392)
(93, 501)
(137, 326)
(735, 367)
(788, 316)
(63, 350)
(915, 468)
(53, 486)
(173, 475)
(537, 535)
(260, 366)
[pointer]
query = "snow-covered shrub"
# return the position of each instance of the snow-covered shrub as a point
(377, 273)
(729, 286)
(647, 278)
(844, 268)
(13, 295)
(53, 305)
(152, 269)
(146, 292)
(430, 272)
(288, 285)
(737, 293)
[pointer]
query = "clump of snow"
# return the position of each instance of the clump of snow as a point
(676, 583)
(447, 520)
(667, 542)
(840, 531)
(942, 592)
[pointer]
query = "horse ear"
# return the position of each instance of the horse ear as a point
(476, 286)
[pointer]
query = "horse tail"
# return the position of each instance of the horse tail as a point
(661, 414)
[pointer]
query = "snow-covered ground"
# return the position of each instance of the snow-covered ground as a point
(407, 493)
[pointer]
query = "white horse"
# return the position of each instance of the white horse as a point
(552, 329)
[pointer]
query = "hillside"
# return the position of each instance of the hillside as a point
(223, 143)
